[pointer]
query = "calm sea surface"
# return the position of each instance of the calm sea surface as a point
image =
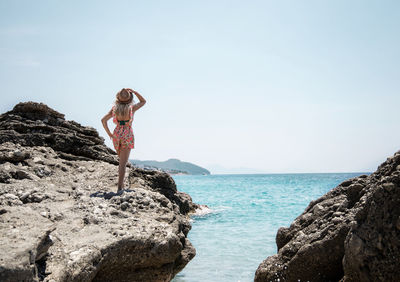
(247, 211)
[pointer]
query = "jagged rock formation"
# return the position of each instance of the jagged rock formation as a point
(352, 233)
(35, 124)
(165, 185)
(60, 219)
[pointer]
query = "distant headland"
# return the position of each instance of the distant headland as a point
(171, 166)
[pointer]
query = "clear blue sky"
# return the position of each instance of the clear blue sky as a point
(234, 86)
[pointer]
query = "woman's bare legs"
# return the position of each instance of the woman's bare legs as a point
(123, 159)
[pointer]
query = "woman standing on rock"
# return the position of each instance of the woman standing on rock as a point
(123, 139)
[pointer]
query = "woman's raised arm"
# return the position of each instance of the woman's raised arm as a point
(142, 100)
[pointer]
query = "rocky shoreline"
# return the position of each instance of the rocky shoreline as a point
(352, 233)
(60, 220)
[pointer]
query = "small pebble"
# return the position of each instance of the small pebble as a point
(81, 169)
(124, 206)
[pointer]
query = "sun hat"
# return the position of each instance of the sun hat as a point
(124, 96)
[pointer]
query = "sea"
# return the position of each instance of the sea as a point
(238, 230)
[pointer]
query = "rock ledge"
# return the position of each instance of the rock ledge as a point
(60, 220)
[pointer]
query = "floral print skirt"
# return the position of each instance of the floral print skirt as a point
(123, 137)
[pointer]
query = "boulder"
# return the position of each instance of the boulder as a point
(36, 124)
(60, 219)
(163, 183)
(349, 234)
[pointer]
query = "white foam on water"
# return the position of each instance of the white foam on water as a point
(202, 210)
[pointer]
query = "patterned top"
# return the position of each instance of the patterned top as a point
(123, 133)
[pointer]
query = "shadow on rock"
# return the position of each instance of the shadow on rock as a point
(109, 195)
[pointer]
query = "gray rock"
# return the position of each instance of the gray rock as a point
(69, 224)
(349, 234)
(24, 125)
(163, 183)
(124, 206)
(5, 176)
(23, 243)
(22, 174)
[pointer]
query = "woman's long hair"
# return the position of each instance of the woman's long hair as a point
(122, 108)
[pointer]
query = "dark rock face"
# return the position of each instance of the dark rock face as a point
(164, 184)
(35, 124)
(352, 233)
(372, 247)
(60, 220)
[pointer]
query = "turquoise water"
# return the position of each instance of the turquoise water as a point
(247, 211)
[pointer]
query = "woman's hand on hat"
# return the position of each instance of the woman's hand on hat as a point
(131, 90)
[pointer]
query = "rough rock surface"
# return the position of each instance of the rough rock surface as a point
(352, 233)
(61, 221)
(35, 124)
(157, 182)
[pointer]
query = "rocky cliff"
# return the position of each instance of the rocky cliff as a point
(60, 219)
(35, 124)
(352, 233)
